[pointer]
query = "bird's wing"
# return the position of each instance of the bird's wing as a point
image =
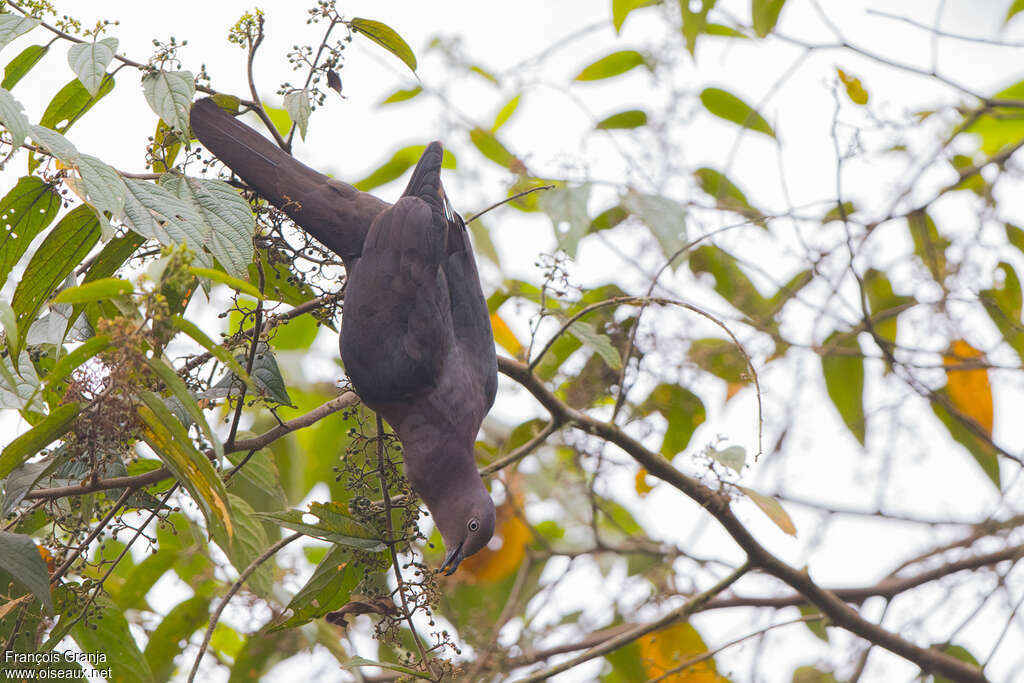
(471, 323)
(471, 320)
(398, 325)
(334, 212)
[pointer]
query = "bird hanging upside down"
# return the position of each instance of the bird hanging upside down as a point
(417, 341)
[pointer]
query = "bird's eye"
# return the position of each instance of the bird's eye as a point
(473, 525)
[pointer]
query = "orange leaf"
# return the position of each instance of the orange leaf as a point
(666, 649)
(642, 487)
(47, 558)
(969, 389)
(504, 335)
(490, 565)
(733, 388)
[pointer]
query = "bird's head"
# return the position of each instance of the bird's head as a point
(466, 526)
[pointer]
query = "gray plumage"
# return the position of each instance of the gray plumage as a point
(417, 341)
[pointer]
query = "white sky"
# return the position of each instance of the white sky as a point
(350, 137)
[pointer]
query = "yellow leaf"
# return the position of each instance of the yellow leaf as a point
(772, 508)
(969, 389)
(733, 388)
(854, 89)
(504, 335)
(642, 487)
(492, 565)
(666, 649)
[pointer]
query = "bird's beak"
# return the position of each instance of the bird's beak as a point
(451, 563)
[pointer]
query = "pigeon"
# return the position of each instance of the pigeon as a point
(416, 341)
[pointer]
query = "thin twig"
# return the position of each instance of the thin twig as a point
(235, 587)
(687, 608)
(509, 199)
(382, 471)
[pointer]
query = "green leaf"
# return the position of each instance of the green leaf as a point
(929, 245)
(23, 479)
(177, 387)
(19, 386)
(1003, 303)
(491, 147)
(154, 212)
(631, 118)
(725, 105)
(567, 209)
(248, 543)
(682, 409)
(815, 627)
(721, 358)
(1015, 8)
(724, 31)
(71, 102)
(401, 96)
(980, 449)
(695, 23)
(505, 113)
(259, 481)
(334, 526)
(104, 288)
(266, 377)
(957, 652)
(169, 94)
(227, 219)
(62, 250)
(385, 36)
(611, 65)
(296, 103)
(844, 380)
(772, 508)
(89, 61)
(765, 14)
(172, 444)
(28, 208)
(327, 590)
(664, 217)
(167, 640)
(20, 558)
(13, 118)
(55, 144)
(622, 8)
(363, 661)
(484, 74)
(809, 674)
(55, 425)
(22, 64)
(722, 190)
(401, 161)
(105, 632)
(600, 343)
(279, 117)
(13, 25)
(731, 283)
(733, 457)
(885, 304)
(219, 352)
(225, 279)
(101, 187)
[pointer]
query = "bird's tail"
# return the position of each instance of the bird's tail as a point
(425, 183)
(335, 213)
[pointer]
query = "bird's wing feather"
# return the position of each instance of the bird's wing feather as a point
(334, 212)
(398, 325)
(471, 320)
